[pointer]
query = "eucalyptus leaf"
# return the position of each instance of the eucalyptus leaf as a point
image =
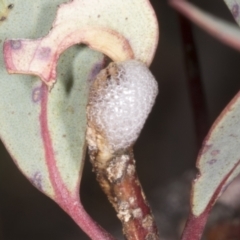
(218, 164)
(234, 7)
(120, 29)
(21, 95)
(219, 158)
(44, 130)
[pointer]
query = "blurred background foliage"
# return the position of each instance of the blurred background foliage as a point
(165, 152)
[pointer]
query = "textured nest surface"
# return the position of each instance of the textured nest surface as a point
(120, 103)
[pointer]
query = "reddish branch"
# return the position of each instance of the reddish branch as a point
(118, 179)
(69, 202)
(195, 226)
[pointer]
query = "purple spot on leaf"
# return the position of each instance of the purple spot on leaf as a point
(233, 135)
(235, 10)
(95, 70)
(212, 161)
(215, 152)
(15, 44)
(2, 19)
(37, 94)
(37, 180)
(10, 6)
(44, 53)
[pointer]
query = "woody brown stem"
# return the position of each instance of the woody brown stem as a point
(114, 100)
(118, 178)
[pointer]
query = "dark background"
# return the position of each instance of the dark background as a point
(165, 150)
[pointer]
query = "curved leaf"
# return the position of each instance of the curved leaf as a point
(21, 98)
(234, 7)
(120, 29)
(218, 161)
(45, 131)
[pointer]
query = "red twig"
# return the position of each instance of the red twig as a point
(195, 226)
(226, 33)
(69, 202)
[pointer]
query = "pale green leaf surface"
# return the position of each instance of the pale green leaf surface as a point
(19, 114)
(135, 20)
(45, 131)
(22, 130)
(234, 7)
(120, 29)
(218, 161)
(67, 112)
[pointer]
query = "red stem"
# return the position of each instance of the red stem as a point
(69, 203)
(85, 222)
(195, 226)
(118, 178)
